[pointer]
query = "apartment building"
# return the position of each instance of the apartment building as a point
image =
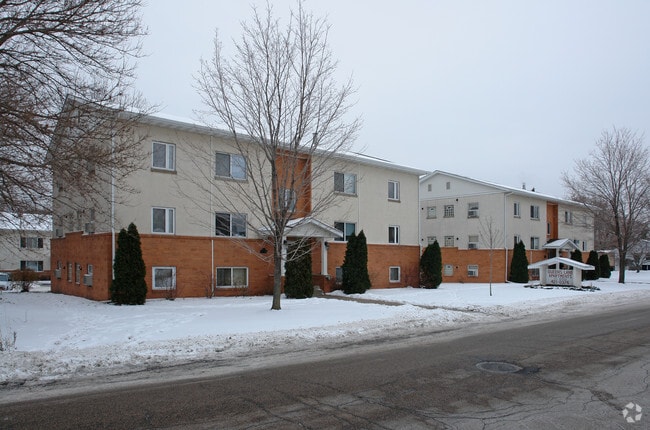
(476, 222)
(194, 245)
(25, 242)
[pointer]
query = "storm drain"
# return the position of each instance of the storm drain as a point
(498, 367)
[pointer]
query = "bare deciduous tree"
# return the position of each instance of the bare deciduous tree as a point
(286, 116)
(614, 183)
(62, 63)
(492, 238)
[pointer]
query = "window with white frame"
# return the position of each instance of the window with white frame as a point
(347, 228)
(36, 266)
(393, 234)
(448, 270)
(338, 275)
(394, 274)
(429, 187)
(89, 269)
(534, 242)
(472, 241)
(472, 210)
(31, 242)
(163, 278)
(449, 241)
(472, 270)
(448, 185)
(568, 217)
(517, 239)
(77, 273)
(289, 199)
(232, 277)
(393, 190)
(431, 240)
(232, 225)
(163, 156)
(517, 210)
(345, 183)
(534, 212)
(162, 220)
(431, 212)
(69, 274)
(231, 166)
(449, 211)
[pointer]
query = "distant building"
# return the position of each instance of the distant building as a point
(463, 214)
(25, 242)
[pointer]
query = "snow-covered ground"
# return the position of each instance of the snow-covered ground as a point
(58, 337)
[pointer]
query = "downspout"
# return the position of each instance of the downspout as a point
(505, 231)
(212, 229)
(112, 208)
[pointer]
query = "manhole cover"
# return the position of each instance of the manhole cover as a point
(498, 367)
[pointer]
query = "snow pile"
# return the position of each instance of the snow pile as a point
(58, 336)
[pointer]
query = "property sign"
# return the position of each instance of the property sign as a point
(560, 277)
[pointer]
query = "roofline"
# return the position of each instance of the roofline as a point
(503, 188)
(162, 120)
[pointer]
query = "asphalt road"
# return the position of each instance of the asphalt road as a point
(576, 373)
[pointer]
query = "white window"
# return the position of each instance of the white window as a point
(36, 266)
(568, 217)
(472, 210)
(517, 210)
(227, 224)
(429, 187)
(69, 274)
(517, 239)
(448, 270)
(345, 183)
(449, 241)
(163, 278)
(162, 220)
(448, 185)
(449, 211)
(347, 228)
(89, 269)
(394, 274)
(431, 240)
(31, 242)
(534, 212)
(228, 277)
(534, 243)
(393, 190)
(230, 165)
(472, 270)
(393, 234)
(163, 156)
(77, 273)
(289, 199)
(472, 242)
(431, 212)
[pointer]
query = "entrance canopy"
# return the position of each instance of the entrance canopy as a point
(311, 227)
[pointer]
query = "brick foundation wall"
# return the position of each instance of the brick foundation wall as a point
(461, 258)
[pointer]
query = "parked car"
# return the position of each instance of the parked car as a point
(5, 281)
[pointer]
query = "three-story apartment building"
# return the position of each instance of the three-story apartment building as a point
(474, 220)
(194, 244)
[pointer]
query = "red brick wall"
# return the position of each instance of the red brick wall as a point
(380, 258)
(461, 258)
(192, 257)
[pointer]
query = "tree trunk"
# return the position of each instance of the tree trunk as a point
(621, 267)
(277, 276)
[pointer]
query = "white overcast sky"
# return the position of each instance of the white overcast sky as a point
(505, 91)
